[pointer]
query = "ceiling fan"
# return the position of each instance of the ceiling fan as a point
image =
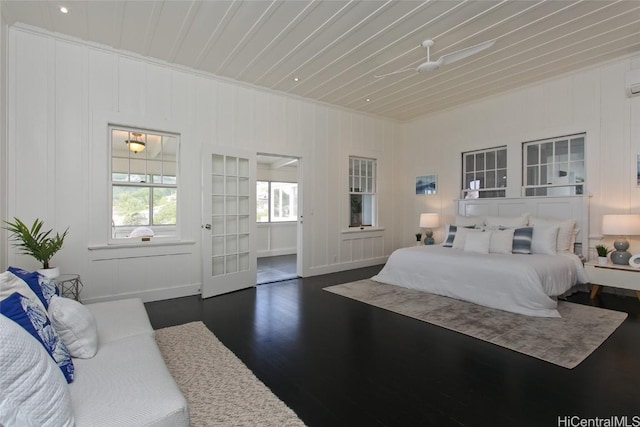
(444, 59)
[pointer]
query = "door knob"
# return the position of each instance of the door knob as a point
(207, 226)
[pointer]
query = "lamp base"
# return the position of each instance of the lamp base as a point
(428, 237)
(620, 257)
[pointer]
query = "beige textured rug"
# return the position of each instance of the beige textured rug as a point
(220, 389)
(565, 341)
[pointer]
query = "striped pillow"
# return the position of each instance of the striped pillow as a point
(522, 240)
(448, 243)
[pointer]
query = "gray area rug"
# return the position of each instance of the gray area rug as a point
(565, 341)
(220, 389)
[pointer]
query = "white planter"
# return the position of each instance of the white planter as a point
(50, 273)
(602, 260)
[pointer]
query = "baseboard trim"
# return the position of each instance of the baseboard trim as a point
(152, 295)
(276, 252)
(335, 268)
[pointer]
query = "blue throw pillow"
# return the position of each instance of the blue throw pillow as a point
(34, 320)
(522, 240)
(43, 287)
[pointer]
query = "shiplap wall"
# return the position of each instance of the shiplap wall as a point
(592, 101)
(62, 94)
(3, 137)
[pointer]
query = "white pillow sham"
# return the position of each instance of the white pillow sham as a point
(469, 221)
(506, 221)
(566, 230)
(501, 241)
(478, 242)
(76, 326)
(461, 236)
(543, 240)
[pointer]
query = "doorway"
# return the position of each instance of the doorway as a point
(277, 217)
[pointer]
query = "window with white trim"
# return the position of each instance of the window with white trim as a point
(554, 167)
(144, 183)
(276, 201)
(362, 192)
(484, 173)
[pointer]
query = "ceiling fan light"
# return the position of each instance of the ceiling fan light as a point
(135, 144)
(428, 66)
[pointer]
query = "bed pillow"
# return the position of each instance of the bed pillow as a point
(469, 221)
(544, 239)
(522, 240)
(42, 286)
(34, 391)
(450, 233)
(33, 319)
(565, 231)
(10, 283)
(477, 241)
(461, 235)
(76, 326)
(501, 241)
(500, 222)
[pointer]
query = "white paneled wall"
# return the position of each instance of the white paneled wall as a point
(63, 92)
(592, 101)
(3, 137)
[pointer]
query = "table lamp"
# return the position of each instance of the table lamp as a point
(621, 226)
(429, 221)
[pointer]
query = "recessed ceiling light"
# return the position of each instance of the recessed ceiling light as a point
(296, 79)
(64, 9)
(368, 99)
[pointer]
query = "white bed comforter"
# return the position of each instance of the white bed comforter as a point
(521, 284)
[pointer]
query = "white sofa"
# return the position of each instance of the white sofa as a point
(127, 382)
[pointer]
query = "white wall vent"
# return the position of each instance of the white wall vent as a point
(632, 80)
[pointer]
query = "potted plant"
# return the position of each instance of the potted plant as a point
(39, 244)
(418, 238)
(602, 251)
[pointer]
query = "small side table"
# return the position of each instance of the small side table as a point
(69, 285)
(614, 275)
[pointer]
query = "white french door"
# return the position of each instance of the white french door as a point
(229, 218)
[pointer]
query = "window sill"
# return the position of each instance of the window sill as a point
(361, 230)
(140, 244)
(140, 249)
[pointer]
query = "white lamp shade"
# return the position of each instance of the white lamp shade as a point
(621, 225)
(429, 220)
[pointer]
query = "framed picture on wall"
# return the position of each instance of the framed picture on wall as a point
(427, 184)
(638, 170)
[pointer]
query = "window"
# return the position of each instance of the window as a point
(276, 201)
(484, 173)
(144, 183)
(362, 192)
(554, 167)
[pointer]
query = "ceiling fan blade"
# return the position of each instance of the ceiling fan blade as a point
(394, 72)
(463, 53)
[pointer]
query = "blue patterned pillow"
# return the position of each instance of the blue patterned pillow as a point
(522, 240)
(43, 287)
(30, 316)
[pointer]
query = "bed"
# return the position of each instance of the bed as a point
(506, 277)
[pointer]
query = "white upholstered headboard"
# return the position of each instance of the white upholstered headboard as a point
(569, 207)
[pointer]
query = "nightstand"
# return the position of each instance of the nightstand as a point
(613, 275)
(69, 285)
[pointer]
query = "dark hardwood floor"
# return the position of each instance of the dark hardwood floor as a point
(276, 268)
(336, 361)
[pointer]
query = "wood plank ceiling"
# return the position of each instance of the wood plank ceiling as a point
(331, 50)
